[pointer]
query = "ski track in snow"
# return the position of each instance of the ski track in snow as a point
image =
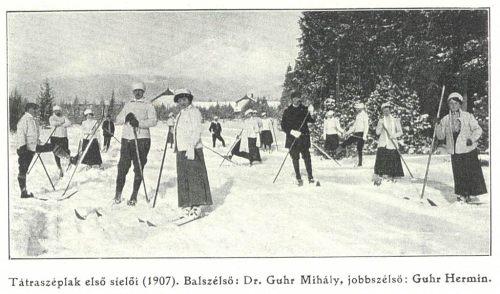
(251, 217)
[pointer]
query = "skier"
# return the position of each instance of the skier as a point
(266, 136)
(216, 130)
(170, 125)
(388, 161)
(137, 116)
(59, 137)
(93, 156)
(193, 187)
(249, 137)
(331, 132)
(108, 131)
(461, 131)
(28, 144)
(358, 132)
(294, 124)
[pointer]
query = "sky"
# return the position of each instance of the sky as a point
(254, 46)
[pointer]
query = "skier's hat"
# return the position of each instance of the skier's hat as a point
(264, 114)
(216, 117)
(170, 114)
(359, 105)
(329, 113)
(139, 86)
(458, 97)
(255, 111)
(180, 93)
(249, 111)
(56, 108)
(296, 95)
(88, 111)
(31, 105)
(384, 105)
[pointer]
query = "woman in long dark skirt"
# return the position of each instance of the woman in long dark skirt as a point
(461, 131)
(388, 162)
(89, 127)
(331, 133)
(193, 188)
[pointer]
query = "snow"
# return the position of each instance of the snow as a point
(346, 215)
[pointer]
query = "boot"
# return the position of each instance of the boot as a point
(296, 168)
(61, 173)
(360, 159)
(118, 197)
(133, 198)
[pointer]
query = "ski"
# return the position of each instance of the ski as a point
(188, 219)
(55, 199)
(150, 224)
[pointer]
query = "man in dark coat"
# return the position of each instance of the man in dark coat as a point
(108, 131)
(294, 124)
(216, 130)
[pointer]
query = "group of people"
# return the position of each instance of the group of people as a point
(459, 128)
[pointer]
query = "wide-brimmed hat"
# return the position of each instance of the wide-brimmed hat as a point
(180, 93)
(88, 111)
(56, 108)
(249, 111)
(359, 105)
(384, 105)
(456, 95)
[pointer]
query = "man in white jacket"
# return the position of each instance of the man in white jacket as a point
(59, 137)
(137, 116)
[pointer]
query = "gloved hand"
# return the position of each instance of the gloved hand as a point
(364, 138)
(295, 133)
(436, 120)
(310, 109)
(468, 142)
(190, 153)
(131, 120)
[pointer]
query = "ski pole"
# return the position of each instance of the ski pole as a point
(231, 148)
(432, 146)
(140, 165)
(161, 169)
(38, 153)
(113, 136)
(326, 154)
(219, 154)
(289, 149)
(41, 161)
(397, 149)
(97, 123)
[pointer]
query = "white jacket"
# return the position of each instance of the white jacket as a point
(27, 132)
(393, 126)
(59, 123)
(144, 112)
(188, 128)
(361, 124)
(469, 129)
(331, 126)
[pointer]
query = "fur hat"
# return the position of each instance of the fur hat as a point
(139, 86)
(456, 95)
(88, 111)
(180, 93)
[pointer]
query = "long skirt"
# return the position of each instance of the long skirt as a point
(170, 136)
(93, 156)
(266, 138)
(254, 152)
(193, 187)
(331, 142)
(236, 150)
(388, 163)
(467, 174)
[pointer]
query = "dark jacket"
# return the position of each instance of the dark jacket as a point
(293, 119)
(108, 128)
(215, 127)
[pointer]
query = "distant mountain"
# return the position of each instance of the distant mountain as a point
(97, 87)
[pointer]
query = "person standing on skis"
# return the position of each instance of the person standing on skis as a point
(358, 132)
(108, 131)
(59, 135)
(216, 130)
(298, 140)
(170, 125)
(88, 130)
(137, 116)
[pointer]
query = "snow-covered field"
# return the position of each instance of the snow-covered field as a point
(346, 215)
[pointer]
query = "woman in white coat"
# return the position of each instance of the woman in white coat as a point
(388, 162)
(193, 188)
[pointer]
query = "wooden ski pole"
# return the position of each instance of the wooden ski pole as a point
(139, 162)
(161, 169)
(219, 154)
(41, 161)
(326, 154)
(432, 146)
(232, 146)
(38, 153)
(397, 149)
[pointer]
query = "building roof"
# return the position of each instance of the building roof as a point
(245, 98)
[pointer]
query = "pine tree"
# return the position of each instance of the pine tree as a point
(16, 109)
(45, 100)
(112, 102)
